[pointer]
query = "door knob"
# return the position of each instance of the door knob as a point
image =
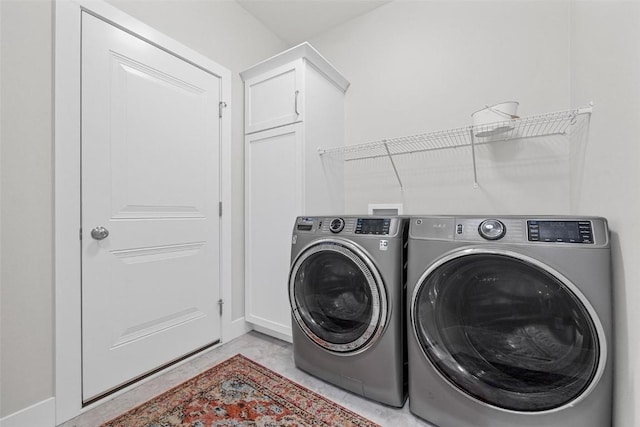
(99, 233)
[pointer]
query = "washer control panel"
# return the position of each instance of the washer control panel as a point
(560, 231)
(349, 225)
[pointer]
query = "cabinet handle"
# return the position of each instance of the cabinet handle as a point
(296, 103)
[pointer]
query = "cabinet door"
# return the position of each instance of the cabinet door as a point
(274, 182)
(274, 98)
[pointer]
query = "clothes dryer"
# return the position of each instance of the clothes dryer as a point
(347, 293)
(510, 321)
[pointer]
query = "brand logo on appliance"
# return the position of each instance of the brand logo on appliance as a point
(384, 245)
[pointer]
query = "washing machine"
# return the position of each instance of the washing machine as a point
(510, 321)
(347, 289)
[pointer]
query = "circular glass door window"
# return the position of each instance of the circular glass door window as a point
(336, 296)
(505, 331)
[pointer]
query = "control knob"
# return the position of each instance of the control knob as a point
(492, 229)
(336, 225)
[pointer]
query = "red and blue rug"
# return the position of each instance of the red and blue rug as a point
(239, 392)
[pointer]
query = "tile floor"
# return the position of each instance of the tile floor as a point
(270, 352)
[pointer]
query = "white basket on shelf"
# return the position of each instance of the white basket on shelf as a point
(495, 119)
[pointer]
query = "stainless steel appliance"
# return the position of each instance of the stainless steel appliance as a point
(510, 321)
(347, 294)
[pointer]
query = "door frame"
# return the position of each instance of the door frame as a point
(67, 184)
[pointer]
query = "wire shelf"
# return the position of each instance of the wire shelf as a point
(556, 123)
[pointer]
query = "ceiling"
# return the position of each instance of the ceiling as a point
(295, 21)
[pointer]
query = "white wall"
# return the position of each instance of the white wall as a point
(221, 30)
(1, 109)
(605, 67)
(26, 350)
(422, 66)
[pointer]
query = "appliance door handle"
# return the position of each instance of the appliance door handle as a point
(296, 103)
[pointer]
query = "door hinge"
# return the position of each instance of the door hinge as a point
(221, 105)
(220, 304)
(220, 209)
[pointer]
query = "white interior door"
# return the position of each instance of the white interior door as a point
(150, 176)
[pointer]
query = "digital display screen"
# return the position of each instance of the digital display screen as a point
(373, 226)
(560, 230)
(370, 226)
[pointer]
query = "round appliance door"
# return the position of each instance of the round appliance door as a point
(507, 330)
(337, 296)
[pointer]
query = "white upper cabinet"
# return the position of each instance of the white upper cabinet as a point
(274, 98)
(276, 90)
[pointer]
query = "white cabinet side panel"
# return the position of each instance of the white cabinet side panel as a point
(324, 127)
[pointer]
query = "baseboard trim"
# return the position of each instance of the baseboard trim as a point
(272, 333)
(41, 414)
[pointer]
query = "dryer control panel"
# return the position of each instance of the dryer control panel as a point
(560, 231)
(535, 230)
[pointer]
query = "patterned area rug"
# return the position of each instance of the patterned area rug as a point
(239, 392)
